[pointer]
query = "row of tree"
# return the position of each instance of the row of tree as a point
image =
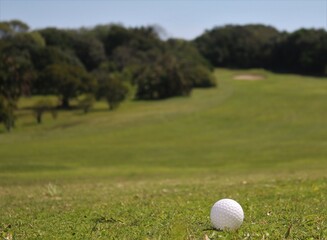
(105, 62)
(112, 62)
(257, 46)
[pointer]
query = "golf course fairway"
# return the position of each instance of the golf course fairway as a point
(153, 169)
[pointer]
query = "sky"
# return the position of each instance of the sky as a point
(180, 18)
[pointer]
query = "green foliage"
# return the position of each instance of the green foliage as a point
(4, 29)
(195, 68)
(57, 37)
(89, 50)
(174, 70)
(8, 28)
(86, 102)
(162, 79)
(158, 69)
(200, 76)
(112, 88)
(133, 47)
(116, 36)
(17, 72)
(303, 51)
(67, 81)
(100, 31)
(37, 39)
(187, 53)
(16, 75)
(23, 42)
(18, 26)
(139, 39)
(58, 56)
(237, 46)
(43, 57)
(7, 112)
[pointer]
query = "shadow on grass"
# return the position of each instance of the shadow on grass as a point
(80, 112)
(2, 131)
(211, 229)
(30, 124)
(31, 168)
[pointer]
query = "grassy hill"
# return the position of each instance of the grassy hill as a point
(152, 170)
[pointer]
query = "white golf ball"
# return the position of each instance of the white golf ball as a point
(226, 214)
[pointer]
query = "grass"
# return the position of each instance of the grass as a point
(152, 170)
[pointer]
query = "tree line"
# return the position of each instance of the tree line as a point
(258, 46)
(112, 62)
(107, 62)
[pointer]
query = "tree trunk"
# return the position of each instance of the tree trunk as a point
(65, 103)
(9, 124)
(39, 118)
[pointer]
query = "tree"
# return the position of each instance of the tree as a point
(112, 88)
(42, 106)
(86, 102)
(17, 72)
(162, 79)
(67, 81)
(199, 75)
(5, 29)
(16, 75)
(8, 28)
(237, 46)
(89, 50)
(303, 51)
(19, 68)
(63, 39)
(43, 57)
(7, 116)
(100, 32)
(117, 36)
(194, 66)
(25, 41)
(86, 47)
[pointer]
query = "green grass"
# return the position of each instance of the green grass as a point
(152, 170)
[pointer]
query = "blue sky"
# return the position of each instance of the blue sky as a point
(180, 18)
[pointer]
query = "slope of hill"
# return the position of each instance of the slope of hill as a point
(152, 170)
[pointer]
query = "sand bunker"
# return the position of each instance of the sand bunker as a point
(249, 77)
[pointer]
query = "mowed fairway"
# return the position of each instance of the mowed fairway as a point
(152, 170)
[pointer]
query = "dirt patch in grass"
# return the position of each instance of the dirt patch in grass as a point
(249, 77)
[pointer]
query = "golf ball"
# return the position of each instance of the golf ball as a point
(226, 214)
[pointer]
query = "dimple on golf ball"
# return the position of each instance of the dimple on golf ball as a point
(226, 214)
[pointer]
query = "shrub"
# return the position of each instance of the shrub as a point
(162, 79)
(112, 88)
(200, 76)
(86, 103)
